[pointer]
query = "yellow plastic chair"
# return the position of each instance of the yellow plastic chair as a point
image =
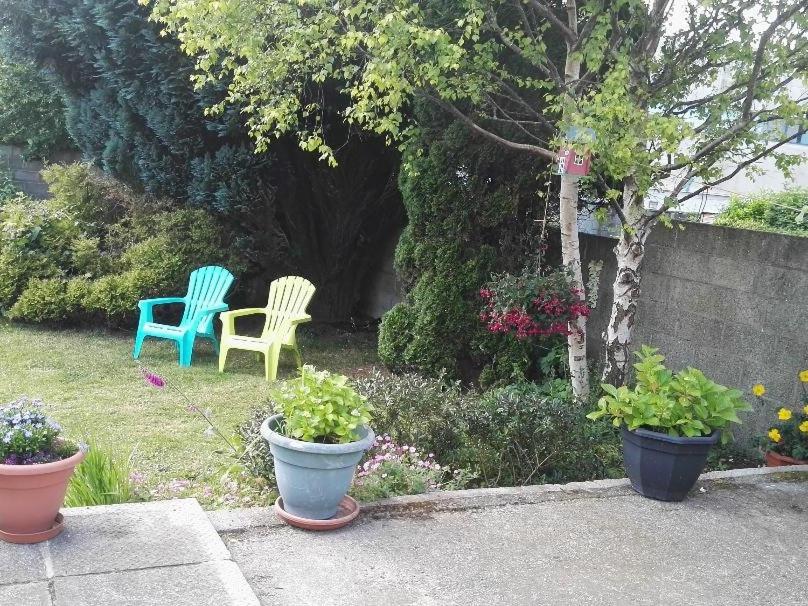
(288, 298)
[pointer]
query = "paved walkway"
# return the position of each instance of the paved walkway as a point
(148, 554)
(740, 538)
(741, 541)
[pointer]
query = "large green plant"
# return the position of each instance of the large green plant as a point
(471, 211)
(523, 433)
(685, 403)
(319, 406)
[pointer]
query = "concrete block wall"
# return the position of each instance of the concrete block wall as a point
(731, 302)
(26, 173)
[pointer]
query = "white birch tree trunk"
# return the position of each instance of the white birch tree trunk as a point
(571, 254)
(629, 252)
(570, 249)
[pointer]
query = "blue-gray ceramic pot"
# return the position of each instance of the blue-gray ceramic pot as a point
(312, 478)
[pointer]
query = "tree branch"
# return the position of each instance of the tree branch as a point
(738, 168)
(472, 125)
(545, 11)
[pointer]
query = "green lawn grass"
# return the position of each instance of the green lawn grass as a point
(91, 385)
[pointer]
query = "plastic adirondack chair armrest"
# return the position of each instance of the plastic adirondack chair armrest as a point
(143, 303)
(237, 313)
(212, 309)
(301, 319)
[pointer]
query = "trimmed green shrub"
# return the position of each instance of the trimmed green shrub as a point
(43, 300)
(525, 433)
(471, 210)
(96, 248)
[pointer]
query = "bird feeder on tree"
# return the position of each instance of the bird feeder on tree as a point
(571, 162)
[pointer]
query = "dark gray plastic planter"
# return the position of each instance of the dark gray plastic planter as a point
(313, 478)
(664, 467)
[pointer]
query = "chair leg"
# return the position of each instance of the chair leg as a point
(295, 350)
(223, 358)
(186, 353)
(271, 361)
(138, 344)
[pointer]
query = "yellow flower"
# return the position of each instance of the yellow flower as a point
(805, 410)
(784, 414)
(804, 427)
(774, 435)
(804, 376)
(758, 390)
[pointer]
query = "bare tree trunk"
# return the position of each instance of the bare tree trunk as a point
(576, 341)
(630, 252)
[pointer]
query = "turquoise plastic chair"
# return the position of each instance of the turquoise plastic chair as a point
(207, 289)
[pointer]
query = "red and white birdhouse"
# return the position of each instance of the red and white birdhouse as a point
(572, 163)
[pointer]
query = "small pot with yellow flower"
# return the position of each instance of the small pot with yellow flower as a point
(786, 443)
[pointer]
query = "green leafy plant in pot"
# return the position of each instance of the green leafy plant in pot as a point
(668, 422)
(317, 440)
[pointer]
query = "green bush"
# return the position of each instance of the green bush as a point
(518, 434)
(256, 457)
(43, 300)
(769, 211)
(470, 211)
(525, 433)
(32, 112)
(96, 248)
(7, 187)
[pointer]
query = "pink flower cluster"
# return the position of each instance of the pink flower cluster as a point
(550, 315)
(384, 450)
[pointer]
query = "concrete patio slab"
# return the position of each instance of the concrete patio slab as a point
(162, 553)
(139, 535)
(208, 584)
(739, 539)
(26, 594)
(21, 564)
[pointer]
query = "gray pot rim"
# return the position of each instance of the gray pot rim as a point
(663, 437)
(273, 437)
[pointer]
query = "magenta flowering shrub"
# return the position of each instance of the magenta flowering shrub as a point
(28, 436)
(391, 469)
(531, 304)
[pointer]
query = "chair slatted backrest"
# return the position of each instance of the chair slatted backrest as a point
(288, 298)
(207, 287)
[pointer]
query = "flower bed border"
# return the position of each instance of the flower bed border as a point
(239, 520)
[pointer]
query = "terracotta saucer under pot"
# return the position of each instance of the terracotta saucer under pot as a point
(35, 537)
(346, 513)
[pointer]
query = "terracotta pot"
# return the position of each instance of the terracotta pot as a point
(30, 498)
(774, 459)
